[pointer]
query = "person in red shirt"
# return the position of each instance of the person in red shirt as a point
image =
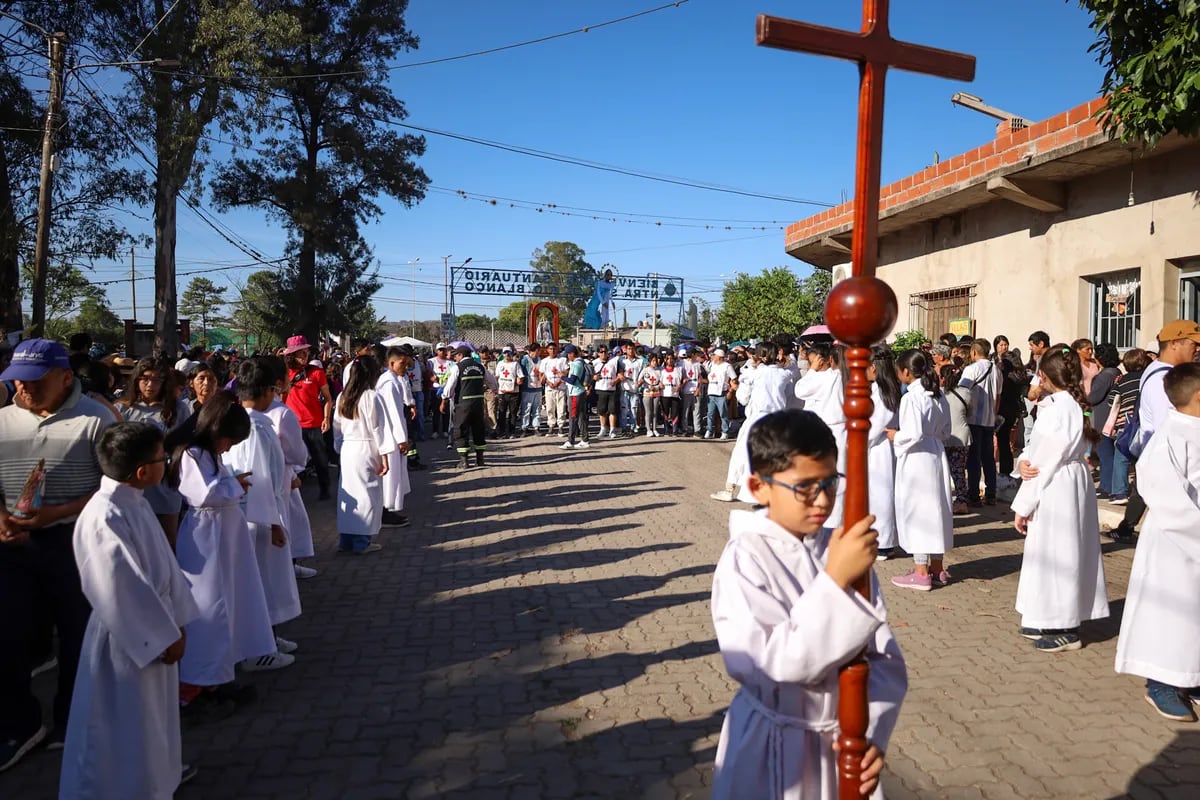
(309, 397)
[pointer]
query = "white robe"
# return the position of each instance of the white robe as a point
(396, 482)
(772, 389)
(266, 504)
(123, 734)
(1160, 629)
(1062, 575)
(362, 443)
(924, 522)
(295, 452)
(216, 553)
(784, 628)
(881, 468)
(821, 393)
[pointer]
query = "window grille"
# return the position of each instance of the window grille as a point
(1116, 308)
(931, 312)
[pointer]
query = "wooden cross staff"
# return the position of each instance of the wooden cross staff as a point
(861, 310)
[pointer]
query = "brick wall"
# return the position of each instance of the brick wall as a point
(1006, 150)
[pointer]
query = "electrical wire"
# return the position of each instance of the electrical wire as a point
(166, 14)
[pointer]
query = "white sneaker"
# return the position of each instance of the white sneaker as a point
(303, 571)
(613, 435)
(708, 434)
(561, 434)
(603, 431)
(649, 434)
(724, 437)
(582, 445)
(656, 434)
(566, 446)
(725, 496)
(285, 646)
(265, 663)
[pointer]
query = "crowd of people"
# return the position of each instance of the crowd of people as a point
(152, 515)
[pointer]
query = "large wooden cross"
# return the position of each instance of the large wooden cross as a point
(861, 310)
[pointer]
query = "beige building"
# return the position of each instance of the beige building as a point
(1049, 227)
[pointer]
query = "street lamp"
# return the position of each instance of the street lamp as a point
(413, 263)
(446, 279)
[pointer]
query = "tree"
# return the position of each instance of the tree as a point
(366, 324)
(566, 279)
(329, 151)
(203, 299)
(908, 340)
(257, 313)
(1152, 74)
(66, 289)
(514, 317)
(465, 321)
(96, 318)
(777, 301)
(172, 109)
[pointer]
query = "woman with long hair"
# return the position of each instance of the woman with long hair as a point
(886, 392)
(1100, 397)
(360, 437)
(1089, 367)
(923, 517)
(1062, 576)
(150, 396)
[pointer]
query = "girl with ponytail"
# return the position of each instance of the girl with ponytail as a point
(1062, 577)
(923, 516)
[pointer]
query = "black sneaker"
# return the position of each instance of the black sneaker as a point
(1058, 643)
(207, 707)
(989, 500)
(393, 519)
(1038, 633)
(13, 750)
(186, 773)
(1120, 535)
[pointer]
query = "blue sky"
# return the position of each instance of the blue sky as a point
(683, 92)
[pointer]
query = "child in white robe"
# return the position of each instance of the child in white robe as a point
(266, 501)
(216, 553)
(1160, 633)
(787, 617)
(123, 734)
(881, 458)
(396, 482)
(1062, 575)
(295, 453)
(924, 521)
(361, 437)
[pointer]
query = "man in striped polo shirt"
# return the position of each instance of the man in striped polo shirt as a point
(51, 420)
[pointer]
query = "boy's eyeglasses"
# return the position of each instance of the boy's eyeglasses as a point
(164, 460)
(808, 491)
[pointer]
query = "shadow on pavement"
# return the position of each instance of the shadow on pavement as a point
(1173, 775)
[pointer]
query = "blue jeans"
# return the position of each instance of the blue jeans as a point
(1105, 449)
(419, 424)
(629, 405)
(355, 543)
(531, 405)
(1118, 485)
(718, 407)
(981, 458)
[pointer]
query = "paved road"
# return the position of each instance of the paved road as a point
(542, 631)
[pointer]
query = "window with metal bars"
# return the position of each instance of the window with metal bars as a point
(1116, 308)
(931, 312)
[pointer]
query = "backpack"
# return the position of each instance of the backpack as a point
(1129, 441)
(589, 374)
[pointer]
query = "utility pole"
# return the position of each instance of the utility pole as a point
(654, 313)
(132, 285)
(446, 282)
(41, 253)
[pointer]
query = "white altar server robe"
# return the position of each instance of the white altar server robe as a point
(772, 389)
(924, 523)
(265, 504)
(123, 736)
(881, 466)
(1062, 576)
(396, 482)
(216, 553)
(1160, 630)
(295, 453)
(821, 393)
(784, 628)
(364, 441)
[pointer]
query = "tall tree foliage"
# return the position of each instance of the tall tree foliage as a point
(203, 300)
(329, 153)
(777, 301)
(566, 279)
(1150, 51)
(167, 112)
(257, 316)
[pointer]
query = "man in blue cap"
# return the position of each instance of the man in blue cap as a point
(53, 423)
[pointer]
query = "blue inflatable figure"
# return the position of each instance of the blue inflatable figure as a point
(597, 313)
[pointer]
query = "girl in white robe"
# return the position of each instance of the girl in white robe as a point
(1160, 637)
(924, 523)
(1062, 575)
(396, 482)
(295, 453)
(123, 734)
(785, 625)
(820, 391)
(216, 551)
(361, 437)
(881, 460)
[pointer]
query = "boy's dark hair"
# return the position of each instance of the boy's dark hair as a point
(1135, 360)
(1040, 338)
(1108, 355)
(779, 437)
(981, 346)
(394, 354)
(126, 446)
(80, 342)
(254, 379)
(1181, 383)
(822, 349)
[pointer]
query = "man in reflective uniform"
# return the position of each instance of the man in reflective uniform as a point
(465, 386)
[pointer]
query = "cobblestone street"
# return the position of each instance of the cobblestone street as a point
(542, 631)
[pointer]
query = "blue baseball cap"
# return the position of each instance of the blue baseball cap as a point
(570, 349)
(33, 358)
